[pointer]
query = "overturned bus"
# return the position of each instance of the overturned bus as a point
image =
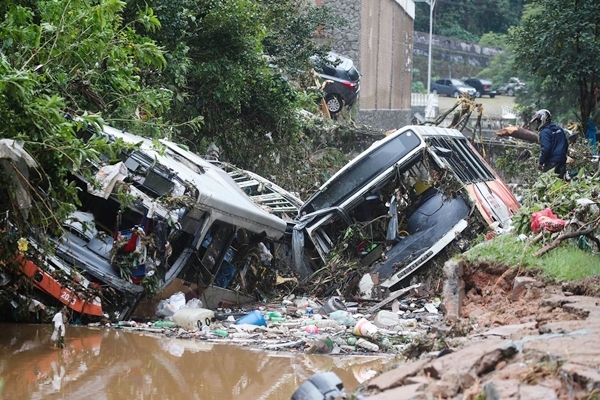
(160, 218)
(410, 195)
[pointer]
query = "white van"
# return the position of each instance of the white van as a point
(409, 195)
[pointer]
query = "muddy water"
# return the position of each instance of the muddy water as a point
(112, 364)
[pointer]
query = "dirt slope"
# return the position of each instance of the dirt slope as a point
(526, 340)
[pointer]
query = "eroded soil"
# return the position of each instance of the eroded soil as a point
(490, 300)
(517, 337)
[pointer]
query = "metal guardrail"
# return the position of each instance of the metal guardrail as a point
(509, 113)
(427, 100)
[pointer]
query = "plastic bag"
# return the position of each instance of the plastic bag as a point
(546, 220)
(343, 317)
(177, 300)
(193, 303)
(107, 177)
(166, 308)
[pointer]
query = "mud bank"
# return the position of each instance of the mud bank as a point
(521, 338)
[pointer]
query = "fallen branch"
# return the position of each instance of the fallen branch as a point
(566, 235)
(538, 237)
(518, 132)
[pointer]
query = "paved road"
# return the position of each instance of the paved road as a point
(492, 107)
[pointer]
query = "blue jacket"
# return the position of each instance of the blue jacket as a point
(553, 142)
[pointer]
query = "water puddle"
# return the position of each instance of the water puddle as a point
(112, 364)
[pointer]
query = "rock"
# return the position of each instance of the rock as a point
(473, 358)
(508, 330)
(491, 393)
(584, 375)
(520, 286)
(506, 388)
(500, 365)
(537, 392)
(554, 301)
(454, 289)
(397, 376)
(409, 392)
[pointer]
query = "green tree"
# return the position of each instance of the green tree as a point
(469, 19)
(558, 42)
(237, 65)
(68, 57)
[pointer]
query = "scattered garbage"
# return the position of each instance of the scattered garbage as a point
(365, 328)
(168, 307)
(350, 328)
(332, 304)
(253, 318)
(546, 220)
(386, 319)
(191, 318)
(365, 344)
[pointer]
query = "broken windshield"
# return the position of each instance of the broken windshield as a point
(361, 171)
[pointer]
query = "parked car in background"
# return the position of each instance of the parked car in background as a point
(482, 87)
(452, 87)
(511, 87)
(343, 81)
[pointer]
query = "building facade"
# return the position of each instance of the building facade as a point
(379, 39)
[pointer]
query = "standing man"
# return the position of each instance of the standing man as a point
(553, 142)
(59, 320)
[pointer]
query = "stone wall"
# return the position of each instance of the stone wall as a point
(451, 45)
(450, 57)
(384, 119)
(346, 39)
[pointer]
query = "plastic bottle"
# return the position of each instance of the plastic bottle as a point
(126, 323)
(365, 344)
(277, 319)
(326, 323)
(220, 332)
(343, 317)
(407, 323)
(241, 335)
(164, 324)
(272, 314)
(193, 318)
(320, 346)
(365, 328)
(386, 319)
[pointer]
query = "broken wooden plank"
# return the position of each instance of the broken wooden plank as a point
(392, 297)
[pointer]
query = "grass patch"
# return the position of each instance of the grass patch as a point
(565, 263)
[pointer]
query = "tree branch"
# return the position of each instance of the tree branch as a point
(566, 235)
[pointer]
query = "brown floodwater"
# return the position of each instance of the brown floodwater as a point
(100, 363)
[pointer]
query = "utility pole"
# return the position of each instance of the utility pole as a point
(431, 7)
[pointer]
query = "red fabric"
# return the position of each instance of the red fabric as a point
(131, 244)
(546, 220)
